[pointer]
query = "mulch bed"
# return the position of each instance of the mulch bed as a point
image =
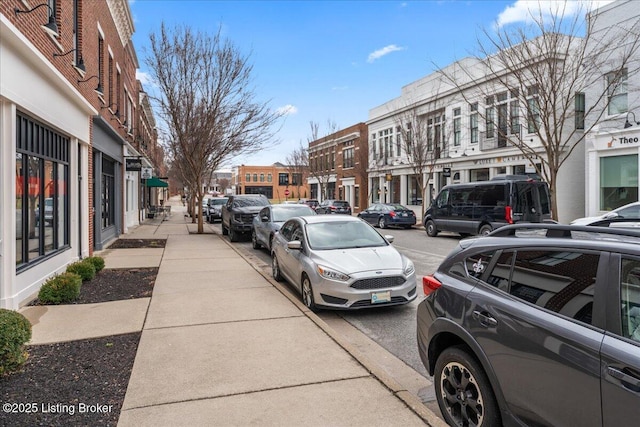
(73, 383)
(138, 243)
(78, 382)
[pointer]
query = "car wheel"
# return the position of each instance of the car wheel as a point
(463, 391)
(254, 240)
(485, 229)
(382, 223)
(233, 235)
(224, 230)
(432, 230)
(307, 293)
(275, 269)
(270, 243)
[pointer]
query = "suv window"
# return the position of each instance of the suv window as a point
(630, 298)
(560, 281)
(340, 203)
(250, 201)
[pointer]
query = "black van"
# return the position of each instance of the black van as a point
(481, 207)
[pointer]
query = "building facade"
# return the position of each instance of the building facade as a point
(338, 167)
(613, 145)
(277, 182)
(68, 102)
(470, 130)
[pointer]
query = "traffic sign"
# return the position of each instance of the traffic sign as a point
(286, 192)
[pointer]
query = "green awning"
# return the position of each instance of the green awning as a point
(155, 182)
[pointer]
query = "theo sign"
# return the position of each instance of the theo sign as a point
(133, 165)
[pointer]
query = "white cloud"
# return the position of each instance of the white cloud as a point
(527, 10)
(145, 78)
(339, 88)
(287, 110)
(384, 51)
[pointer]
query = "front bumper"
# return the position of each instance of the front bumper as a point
(365, 290)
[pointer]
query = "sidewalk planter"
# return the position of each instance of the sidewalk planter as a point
(60, 289)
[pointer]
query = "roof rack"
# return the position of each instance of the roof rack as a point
(562, 230)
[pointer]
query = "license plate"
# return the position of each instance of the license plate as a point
(404, 214)
(378, 297)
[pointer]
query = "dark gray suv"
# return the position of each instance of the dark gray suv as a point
(536, 324)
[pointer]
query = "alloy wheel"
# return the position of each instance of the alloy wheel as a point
(307, 293)
(461, 395)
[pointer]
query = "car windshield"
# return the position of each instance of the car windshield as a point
(341, 203)
(250, 201)
(281, 214)
(343, 235)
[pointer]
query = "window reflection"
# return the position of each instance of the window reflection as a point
(20, 204)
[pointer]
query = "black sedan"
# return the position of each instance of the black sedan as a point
(386, 215)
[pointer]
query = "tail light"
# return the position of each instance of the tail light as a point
(430, 284)
(392, 214)
(332, 208)
(508, 214)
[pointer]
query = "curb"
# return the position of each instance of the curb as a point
(411, 401)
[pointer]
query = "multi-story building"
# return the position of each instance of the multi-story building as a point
(338, 166)
(277, 182)
(471, 129)
(613, 145)
(69, 104)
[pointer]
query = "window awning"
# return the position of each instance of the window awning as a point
(155, 182)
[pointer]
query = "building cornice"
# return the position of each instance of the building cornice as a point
(121, 14)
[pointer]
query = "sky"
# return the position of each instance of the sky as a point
(331, 61)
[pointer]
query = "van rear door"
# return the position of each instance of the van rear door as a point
(531, 202)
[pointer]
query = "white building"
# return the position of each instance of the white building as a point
(613, 145)
(465, 141)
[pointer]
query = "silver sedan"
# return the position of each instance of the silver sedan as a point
(341, 262)
(270, 219)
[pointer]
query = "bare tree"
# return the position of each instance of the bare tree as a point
(546, 67)
(205, 103)
(321, 158)
(298, 165)
(422, 143)
(223, 184)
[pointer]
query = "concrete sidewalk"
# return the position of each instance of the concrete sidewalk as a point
(222, 344)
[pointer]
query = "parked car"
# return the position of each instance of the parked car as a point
(312, 203)
(238, 213)
(269, 220)
(480, 207)
(214, 208)
(627, 216)
(532, 312)
(48, 212)
(385, 215)
(341, 262)
(331, 206)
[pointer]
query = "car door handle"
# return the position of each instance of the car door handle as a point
(625, 378)
(485, 319)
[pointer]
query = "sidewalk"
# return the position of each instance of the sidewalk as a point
(222, 345)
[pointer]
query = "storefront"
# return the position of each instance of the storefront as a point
(612, 170)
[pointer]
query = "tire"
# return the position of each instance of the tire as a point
(432, 230)
(224, 230)
(485, 229)
(270, 243)
(233, 235)
(275, 269)
(463, 391)
(307, 293)
(254, 240)
(381, 223)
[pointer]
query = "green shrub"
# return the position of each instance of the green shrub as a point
(15, 331)
(60, 289)
(98, 262)
(84, 269)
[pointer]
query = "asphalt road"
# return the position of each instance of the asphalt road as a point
(392, 329)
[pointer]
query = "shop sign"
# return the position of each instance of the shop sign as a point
(133, 165)
(146, 173)
(446, 172)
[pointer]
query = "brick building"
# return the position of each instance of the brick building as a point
(273, 181)
(69, 118)
(338, 166)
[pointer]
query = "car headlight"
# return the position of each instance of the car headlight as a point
(409, 268)
(330, 274)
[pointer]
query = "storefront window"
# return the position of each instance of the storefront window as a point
(480, 175)
(618, 181)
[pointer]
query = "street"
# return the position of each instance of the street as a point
(392, 329)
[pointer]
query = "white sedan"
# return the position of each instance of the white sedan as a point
(341, 262)
(627, 216)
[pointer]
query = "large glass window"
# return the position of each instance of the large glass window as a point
(108, 193)
(630, 298)
(473, 122)
(617, 92)
(618, 181)
(457, 126)
(42, 188)
(580, 110)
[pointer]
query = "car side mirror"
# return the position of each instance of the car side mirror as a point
(611, 215)
(295, 245)
(389, 238)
